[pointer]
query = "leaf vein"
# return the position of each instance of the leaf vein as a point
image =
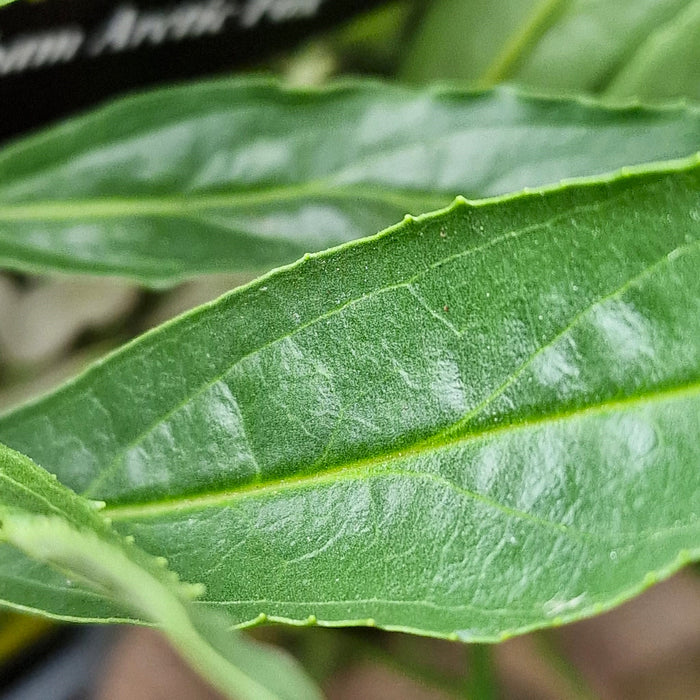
(129, 511)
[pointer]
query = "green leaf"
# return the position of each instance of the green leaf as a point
(477, 423)
(562, 47)
(667, 63)
(245, 175)
(52, 526)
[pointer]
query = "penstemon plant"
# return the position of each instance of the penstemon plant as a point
(479, 422)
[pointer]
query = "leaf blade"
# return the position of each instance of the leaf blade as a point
(665, 67)
(405, 430)
(245, 174)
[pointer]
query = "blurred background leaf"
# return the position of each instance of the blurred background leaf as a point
(623, 49)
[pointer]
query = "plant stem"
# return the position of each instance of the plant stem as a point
(563, 667)
(481, 681)
(505, 63)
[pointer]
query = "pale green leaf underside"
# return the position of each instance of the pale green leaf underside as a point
(53, 527)
(471, 425)
(244, 174)
(627, 48)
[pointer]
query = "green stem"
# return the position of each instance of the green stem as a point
(551, 653)
(505, 63)
(481, 682)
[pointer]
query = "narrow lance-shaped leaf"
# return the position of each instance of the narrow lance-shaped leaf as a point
(474, 424)
(52, 526)
(244, 174)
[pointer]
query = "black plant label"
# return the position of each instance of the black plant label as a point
(60, 56)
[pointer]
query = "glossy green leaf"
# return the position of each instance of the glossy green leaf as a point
(244, 175)
(51, 526)
(643, 48)
(476, 423)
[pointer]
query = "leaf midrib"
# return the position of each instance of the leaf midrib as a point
(185, 204)
(373, 466)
